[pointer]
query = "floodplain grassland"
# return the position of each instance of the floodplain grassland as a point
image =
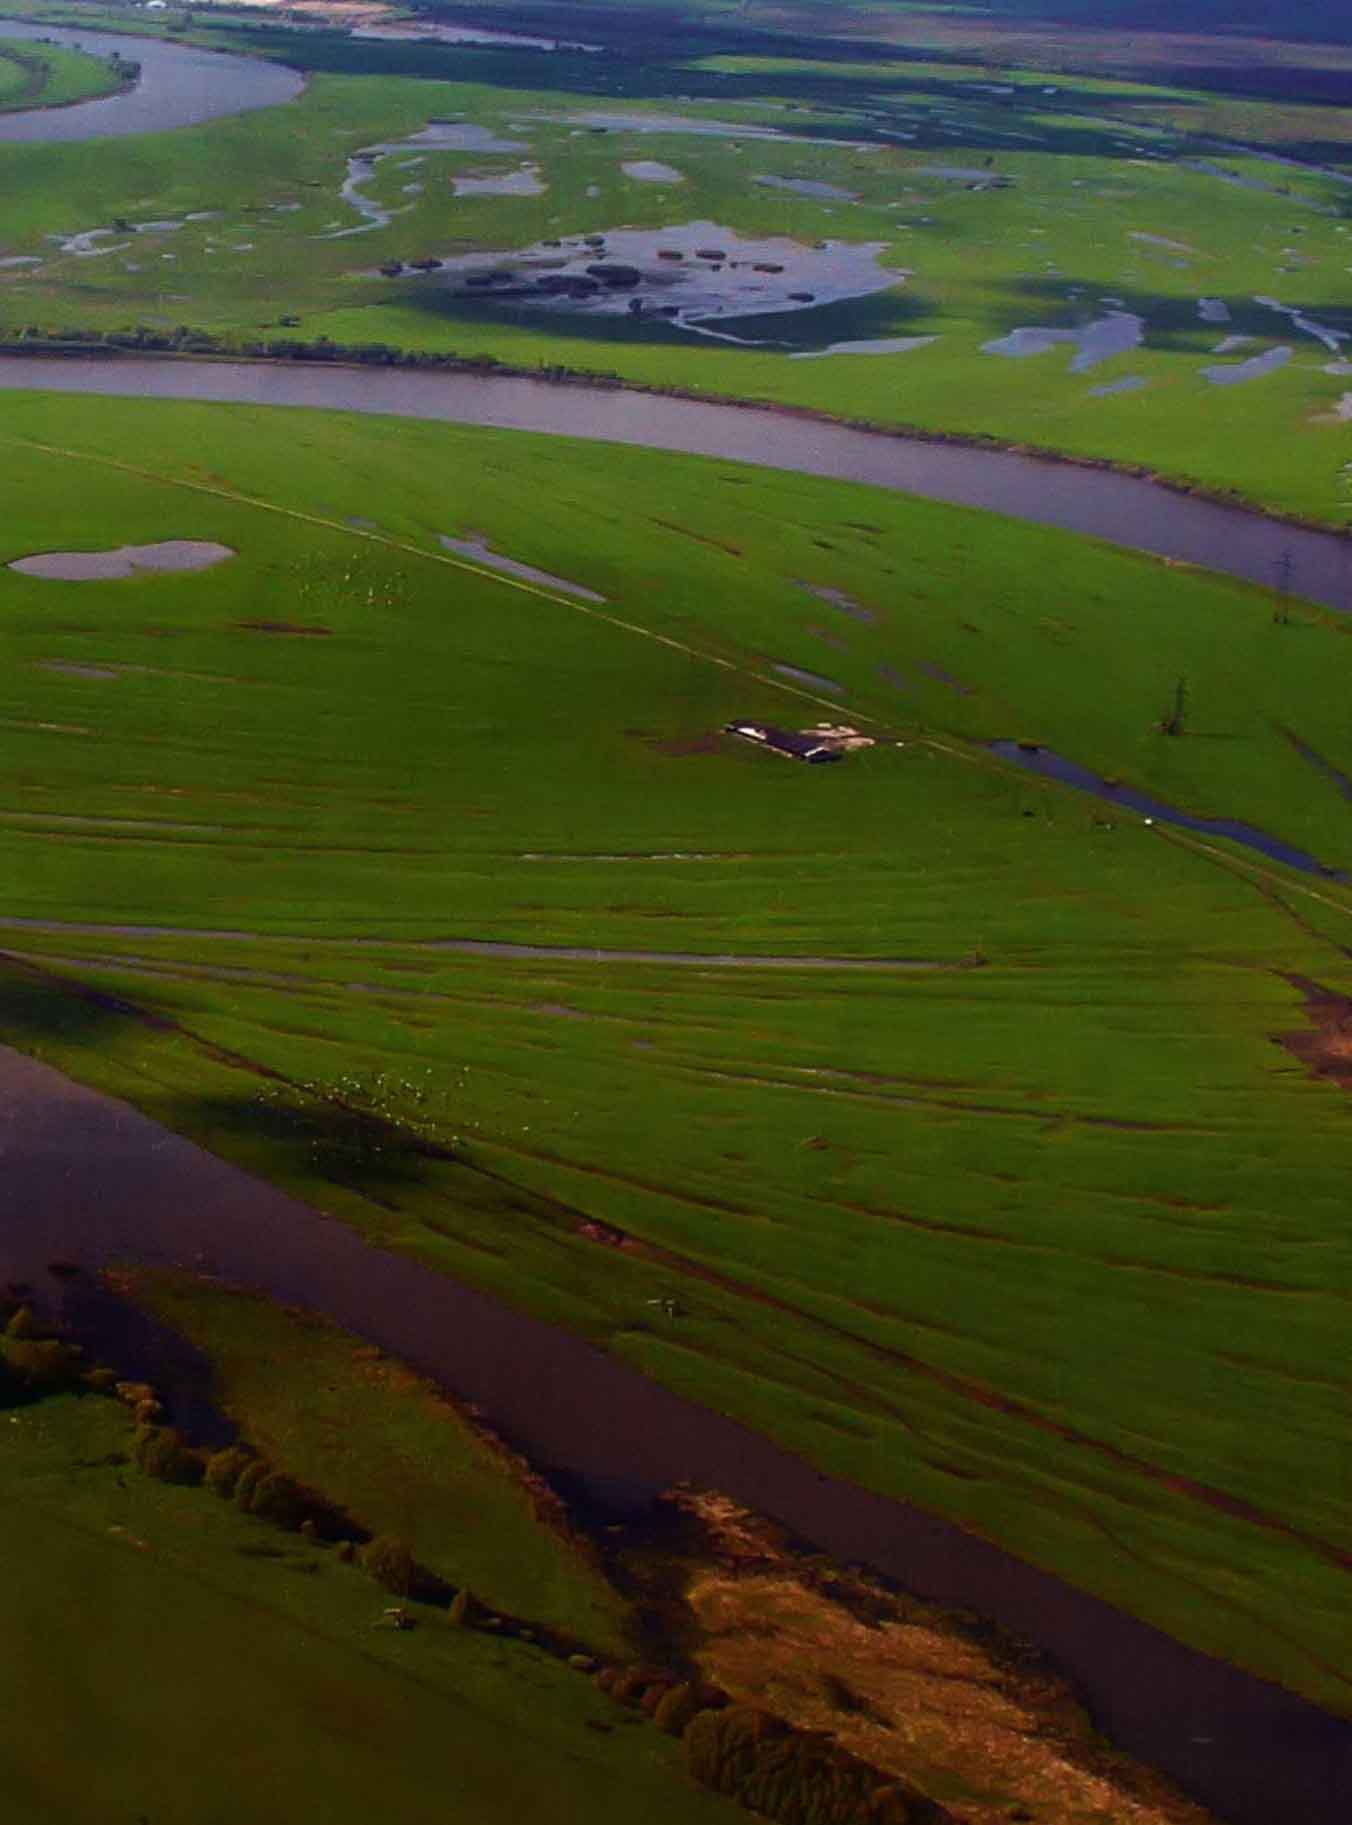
(1114, 197)
(389, 1450)
(171, 1657)
(48, 76)
(1053, 1245)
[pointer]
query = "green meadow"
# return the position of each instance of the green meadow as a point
(388, 1450)
(1115, 197)
(1049, 1238)
(46, 76)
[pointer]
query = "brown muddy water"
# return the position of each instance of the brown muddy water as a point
(84, 1178)
(1128, 510)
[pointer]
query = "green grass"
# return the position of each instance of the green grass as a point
(1081, 1178)
(296, 1706)
(385, 1447)
(47, 76)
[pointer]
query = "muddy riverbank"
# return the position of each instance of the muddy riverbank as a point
(1139, 512)
(88, 1179)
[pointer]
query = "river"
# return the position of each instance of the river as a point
(180, 85)
(1125, 509)
(86, 1178)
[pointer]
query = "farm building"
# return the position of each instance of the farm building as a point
(807, 747)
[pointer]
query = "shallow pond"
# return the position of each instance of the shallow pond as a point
(689, 274)
(123, 561)
(482, 552)
(1094, 342)
(1235, 373)
(652, 171)
(806, 186)
(468, 34)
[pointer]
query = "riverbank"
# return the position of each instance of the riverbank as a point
(1142, 511)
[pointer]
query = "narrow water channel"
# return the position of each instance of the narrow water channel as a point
(88, 1179)
(1124, 509)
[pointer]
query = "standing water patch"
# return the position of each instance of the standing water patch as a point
(124, 561)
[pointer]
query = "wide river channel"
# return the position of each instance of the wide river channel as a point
(180, 85)
(1128, 510)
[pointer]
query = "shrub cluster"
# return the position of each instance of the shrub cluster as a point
(161, 1452)
(33, 1363)
(796, 1778)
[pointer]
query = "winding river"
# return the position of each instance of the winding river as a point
(180, 85)
(1125, 509)
(86, 1178)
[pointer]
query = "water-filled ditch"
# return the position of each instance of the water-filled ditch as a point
(1053, 766)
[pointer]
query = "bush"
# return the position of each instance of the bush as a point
(676, 1708)
(23, 1324)
(794, 1778)
(630, 1683)
(224, 1469)
(391, 1563)
(42, 1365)
(160, 1452)
(248, 1480)
(12, 1388)
(278, 1499)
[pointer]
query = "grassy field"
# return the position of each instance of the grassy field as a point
(1053, 1246)
(1120, 197)
(296, 1704)
(47, 76)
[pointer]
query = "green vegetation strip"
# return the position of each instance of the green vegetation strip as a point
(390, 1451)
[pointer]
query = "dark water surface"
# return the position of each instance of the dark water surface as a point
(1053, 766)
(88, 1179)
(1128, 510)
(180, 85)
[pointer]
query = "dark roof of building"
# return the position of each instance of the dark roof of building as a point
(785, 741)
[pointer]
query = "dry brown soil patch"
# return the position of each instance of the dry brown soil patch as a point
(1325, 1045)
(976, 1719)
